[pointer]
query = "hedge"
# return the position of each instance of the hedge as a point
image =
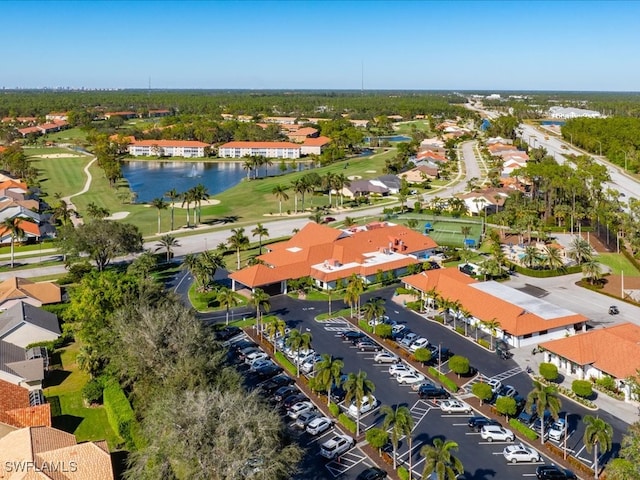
(120, 414)
(364, 325)
(484, 343)
(530, 272)
(446, 381)
(403, 473)
(288, 366)
(520, 427)
(549, 371)
(334, 409)
(348, 423)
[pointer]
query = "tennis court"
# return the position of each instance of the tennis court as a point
(448, 231)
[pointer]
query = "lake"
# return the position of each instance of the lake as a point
(149, 179)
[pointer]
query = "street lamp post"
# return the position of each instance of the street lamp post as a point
(440, 357)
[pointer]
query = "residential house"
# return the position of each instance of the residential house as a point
(29, 229)
(281, 120)
(609, 351)
(392, 182)
(494, 140)
(16, 289)
(359, 123)
(168, 148)
(53, 116)
(329, 255)
(299, 135)
(496, 148)
(14, 189)
(43, 452)
(29, 131)
(127, 115)
(431, 156)
(523, 320)
(20, 407)
(22, 120)
(487, 200)
(363, 188)
(159, 113)
(265, 149)
(314, 146)
(420, 174)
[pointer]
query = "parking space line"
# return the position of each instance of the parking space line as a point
(345, 462)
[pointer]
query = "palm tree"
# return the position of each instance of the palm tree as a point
(238, 241)
(278, 326)
(12, 227)
(439, 459)
(160, 204)
(260, 231)
(299, 341)
(531, 256)
(545, 398)
(400, 421)
(316, 217)
(260, 300)
(349, 222)
(298, 187)
(356, 387)
(597, 435)
(200, 194)
(492, 325)
(187, 198)
(580, 250)
(591, 270)
(340, 182)
(280, 192)
(167, 243)
(172, 195)
(465, 230)
(553, 258)
(227, 300)
(373, 309)
(327, 183)
(247, 165)
(356, 288)
(62, 212)
(328, 373)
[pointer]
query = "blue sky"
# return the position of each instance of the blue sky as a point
(322, 45)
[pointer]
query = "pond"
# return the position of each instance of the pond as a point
(391, 138)
(151, 179)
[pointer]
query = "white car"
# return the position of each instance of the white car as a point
(419, 343)
(337, 445)
(496, 385)
(310, 363)
(299, 408)
(520, 453)
(302, 356)
(261, 362)
(454, 406)
(254, 356)
(409, 378)
(492, 433)
(386, 357)
(397, 368)
(319, 425)
(558, 429)
(378, 321)
(369, 402)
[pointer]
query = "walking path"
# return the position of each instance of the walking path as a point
(87, 185)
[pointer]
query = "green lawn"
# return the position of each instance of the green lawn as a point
(69, 136)
(208, 301)
(59, 175)
(405, 127)
(618, 263)
(65, 388)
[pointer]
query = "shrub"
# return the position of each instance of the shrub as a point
(506, 406)
(582, 388)
(334, 409)
(446, 382)
(549, 371)
(523, 429)
(119, 413)
(403, 473)
(383, 330)
(484, 343)
(286, 364)
(607, 383)
(92, 391)
(347, 423)
(415, 306)
(404, 291)
(459, 365)
(482, 390)
(377, 437)
(364, 325)
(422, 355)
(439, 318)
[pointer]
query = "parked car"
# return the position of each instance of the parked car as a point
(242, 344)
(336, 445)
(369, 347)
(528, 417)
(319, 425)
(399, 368)
(378, 320)
(372, 473)
(268, 371)
(419, 343)
(292, 399)
(369, 402)
(243, 353)
(408, 339)
(304, 418)
(226, 333)
(455, 406)
(520, 453)
(495, 385)
(283, 392)
(274, 383)
(310, 363)
(301, 356)
(259, 362)
(558, 429)
(428, 390)
(476, 423)
(386, 357)
(407, 378)
(299, 408)
(492, 433)
(553, 472)
(352, 335)
(537, 424)
(397, 328)
(438, 352)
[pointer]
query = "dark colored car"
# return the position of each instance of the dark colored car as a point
(352, 335)
(329, 219)
(476, 423)
(373, 473)
(291, 400)
(227, 332)
(368, 346)
(268, 371)
(431, 391)
(242, 344)
(438, 352)
(276, 382)
(552, 472)
(528, 417)
(283, 392)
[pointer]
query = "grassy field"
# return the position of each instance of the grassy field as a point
(405, 127)
(67, 136)
(59, 175)
(618, 263)
(65, 388)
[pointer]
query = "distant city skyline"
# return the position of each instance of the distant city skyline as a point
(329, 45)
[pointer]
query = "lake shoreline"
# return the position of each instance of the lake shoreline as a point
(205, 160)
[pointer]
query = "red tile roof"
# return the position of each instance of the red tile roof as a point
(15, 409)
(26, 226)
(613, 350)
(316, 142)
(169, 143)
(260, 145)
(17, 287)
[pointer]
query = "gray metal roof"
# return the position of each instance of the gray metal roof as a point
(25, 312)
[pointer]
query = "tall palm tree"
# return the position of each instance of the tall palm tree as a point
(328, 373)
(591, 270)
(531, 256)
(12, 227)
(373, 309)
(167, 243)
(299, 341)
(160, 205)
(598, 434)
(327, 183)
(62, 212)
(238, 241)
(580, 250)
(278, 326)
(340, 182)
(440, 459)
(172, 195)
(298, 187)
(492, 325)
(316, 217)
(280, 192)
(200, 194)
(260, 300)
(260, 231)
(552, 258)
(187, 198)
(356, 286)
(247, 165)
(227, 300)
(356, 387)
(400, 422)
(545, 398)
